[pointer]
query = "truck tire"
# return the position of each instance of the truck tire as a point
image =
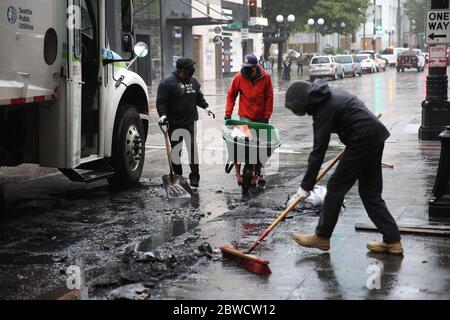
(128, 148)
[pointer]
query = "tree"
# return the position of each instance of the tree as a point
(299, 8)
(351, 12)
(416, 11)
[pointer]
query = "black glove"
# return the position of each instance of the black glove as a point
(227, 117)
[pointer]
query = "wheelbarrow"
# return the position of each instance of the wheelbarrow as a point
(249, 145)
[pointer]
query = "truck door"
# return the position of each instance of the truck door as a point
(74, 84)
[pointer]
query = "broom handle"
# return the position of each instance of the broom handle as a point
(296, 201)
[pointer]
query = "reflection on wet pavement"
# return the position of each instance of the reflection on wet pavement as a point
(51, 224)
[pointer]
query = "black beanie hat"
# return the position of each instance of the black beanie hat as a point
(297, 97)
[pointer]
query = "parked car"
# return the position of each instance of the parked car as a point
(368, 65)
(325, 67)
(391, 54)
(380, 61)
(411, 59)
(350, 65)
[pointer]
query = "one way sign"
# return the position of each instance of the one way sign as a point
(438, 26)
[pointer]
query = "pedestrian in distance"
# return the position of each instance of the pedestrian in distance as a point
(177, 99)
(287, 63)
(254, 87)
(300, 64)
(335, 111)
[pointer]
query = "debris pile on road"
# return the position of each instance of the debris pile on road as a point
(146, 270)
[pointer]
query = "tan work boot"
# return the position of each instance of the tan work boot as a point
(382, 247)
(312, 241)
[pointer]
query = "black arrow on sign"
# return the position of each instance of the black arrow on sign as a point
(433, 36)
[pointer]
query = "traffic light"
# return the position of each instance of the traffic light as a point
(252, 8)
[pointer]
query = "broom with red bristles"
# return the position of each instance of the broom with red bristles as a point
(253, 263)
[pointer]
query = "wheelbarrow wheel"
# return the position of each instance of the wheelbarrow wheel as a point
(247, 177)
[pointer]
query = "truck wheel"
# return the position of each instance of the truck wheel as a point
(128, 148)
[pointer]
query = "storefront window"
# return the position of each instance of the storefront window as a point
(177, 43)
(147, 20)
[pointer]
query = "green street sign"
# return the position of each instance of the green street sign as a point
(234, 26)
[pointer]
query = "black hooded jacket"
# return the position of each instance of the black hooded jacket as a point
(178, 100)
(336, 111)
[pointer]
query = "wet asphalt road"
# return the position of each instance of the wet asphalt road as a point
(136, 244)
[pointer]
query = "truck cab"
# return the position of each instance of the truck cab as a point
(66, 100)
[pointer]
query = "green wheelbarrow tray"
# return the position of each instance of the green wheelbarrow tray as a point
(258, 150)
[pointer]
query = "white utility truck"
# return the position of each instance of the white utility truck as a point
(66, 100)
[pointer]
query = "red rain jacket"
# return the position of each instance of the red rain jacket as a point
(256, 97)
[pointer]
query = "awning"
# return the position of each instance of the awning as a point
(203, 21)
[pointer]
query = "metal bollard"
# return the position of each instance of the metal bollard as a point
(439, 206)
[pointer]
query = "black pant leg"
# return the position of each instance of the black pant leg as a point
(191, 145)
(342, 180)
(370, 191)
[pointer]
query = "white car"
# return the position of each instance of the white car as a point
(368, 65)
(325, 67)
(379, 60)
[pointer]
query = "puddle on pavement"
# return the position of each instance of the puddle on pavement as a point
(175, 228)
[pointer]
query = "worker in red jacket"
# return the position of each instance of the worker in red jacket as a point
(254, 87)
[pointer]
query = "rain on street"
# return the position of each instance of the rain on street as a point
(137, 244)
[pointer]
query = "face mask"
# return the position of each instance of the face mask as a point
(190, 72)
(247, 72)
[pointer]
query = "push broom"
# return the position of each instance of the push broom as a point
(261, 266)
(251, 262)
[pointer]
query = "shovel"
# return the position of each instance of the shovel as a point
(176, 186)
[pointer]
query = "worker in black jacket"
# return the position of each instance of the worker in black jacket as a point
(336, 111)
(177, 99)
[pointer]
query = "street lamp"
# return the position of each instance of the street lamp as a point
(343, 25)
(283, 35)
(390, 32)
(311, 23)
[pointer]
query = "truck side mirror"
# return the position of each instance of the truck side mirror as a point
(141, 49)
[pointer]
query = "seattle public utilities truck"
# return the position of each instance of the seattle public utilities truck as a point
(66, 100)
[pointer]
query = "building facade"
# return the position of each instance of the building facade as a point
(209, 31)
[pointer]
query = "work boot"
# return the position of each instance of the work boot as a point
(194, 179)
(382, 247)
(312, 241)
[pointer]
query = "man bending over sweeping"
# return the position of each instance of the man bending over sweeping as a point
(336, 111)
